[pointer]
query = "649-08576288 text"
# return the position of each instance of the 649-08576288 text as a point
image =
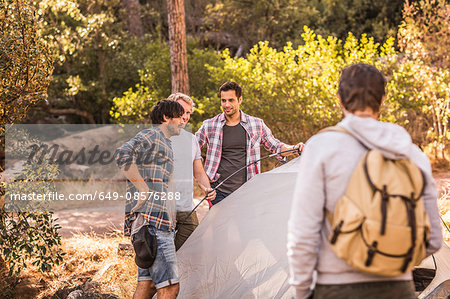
(57, 196)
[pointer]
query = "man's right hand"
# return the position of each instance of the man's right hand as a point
(138, 206)
(210, 194)
(143, 197)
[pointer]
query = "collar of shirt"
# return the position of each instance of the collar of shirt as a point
(244, 118)
(158, 129)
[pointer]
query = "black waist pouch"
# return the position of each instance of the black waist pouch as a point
(145, 245)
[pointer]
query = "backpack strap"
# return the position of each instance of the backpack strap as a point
(340, 129)
(329, 216)
(336, 129)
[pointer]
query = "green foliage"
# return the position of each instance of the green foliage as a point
(25, 61)
(26, 68)
(378, 19)
(28, 235)
(294, 90)
(420, 91)
(135, 104)
(96, 58)
(240, 24)
(35, 239)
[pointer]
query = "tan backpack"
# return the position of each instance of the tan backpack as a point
(380, 226)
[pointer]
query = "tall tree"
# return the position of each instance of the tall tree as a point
(134, 22)
(177, 42)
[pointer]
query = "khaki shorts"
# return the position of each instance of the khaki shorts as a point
(185, 230)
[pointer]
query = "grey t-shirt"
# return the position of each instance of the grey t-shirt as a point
(185, 151)
(234, 156)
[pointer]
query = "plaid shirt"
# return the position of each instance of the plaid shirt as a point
(151, 151)
(211, 133)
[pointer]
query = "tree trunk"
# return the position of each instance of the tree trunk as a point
(3, 271)
(134, 22)
(177, 42)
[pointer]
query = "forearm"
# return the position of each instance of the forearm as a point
(203, 180)
(274, 145)
(131, 172)
(200, 175)
(302, 257)
(303, 241)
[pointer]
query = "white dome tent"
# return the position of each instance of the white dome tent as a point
(239, 249)
(440, 285)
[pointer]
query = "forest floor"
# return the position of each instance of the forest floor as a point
(95, 267)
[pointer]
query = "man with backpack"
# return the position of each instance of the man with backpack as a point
(364, 210)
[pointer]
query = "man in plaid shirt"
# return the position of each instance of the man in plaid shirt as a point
(147, 163)
(234, 139)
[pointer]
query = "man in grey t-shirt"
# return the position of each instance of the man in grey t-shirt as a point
(186, 148)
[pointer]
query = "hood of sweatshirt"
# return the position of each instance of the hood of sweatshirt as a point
(390, 139)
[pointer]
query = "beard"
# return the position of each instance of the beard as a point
(174, 129)
(231, 113)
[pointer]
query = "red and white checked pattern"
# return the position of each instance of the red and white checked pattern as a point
(211, 133)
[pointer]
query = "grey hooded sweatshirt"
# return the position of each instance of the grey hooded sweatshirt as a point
(325, 169)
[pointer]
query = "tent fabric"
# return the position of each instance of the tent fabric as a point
(239, 249)
(440, 285)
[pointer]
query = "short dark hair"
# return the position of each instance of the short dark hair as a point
(231, 85)
(170, 109)
(360, 86)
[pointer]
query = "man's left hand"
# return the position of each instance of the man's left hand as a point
(299, 147)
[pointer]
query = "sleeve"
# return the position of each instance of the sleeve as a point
(196, 152)
(306, 220)
(129, 152)
(201, 135)
(430, 196)
(270, 143)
